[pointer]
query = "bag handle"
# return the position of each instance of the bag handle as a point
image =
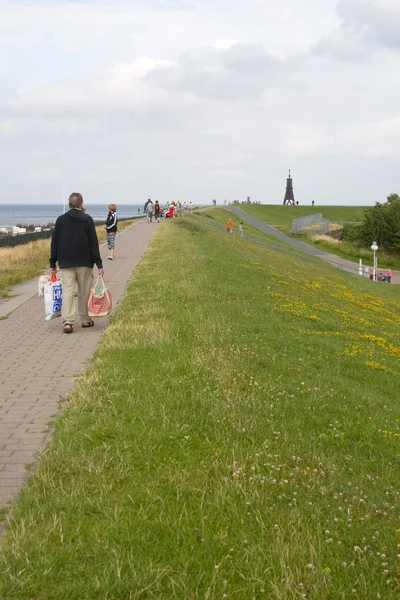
(101, 280)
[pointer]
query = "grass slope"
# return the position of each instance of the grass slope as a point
(353, 252)
(236, 436)
(221, 215)
(281, 218)
(27, 261)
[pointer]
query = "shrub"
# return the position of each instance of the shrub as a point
(352, 233)
(382, 224)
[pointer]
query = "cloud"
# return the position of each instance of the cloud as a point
(344, 46)
(372, 140)
(198, 96)
(13, 127)
(377, 21)
(232, 71)
(240, 72)
(365, 27)
(225, 44)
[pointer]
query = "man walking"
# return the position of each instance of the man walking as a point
(74, 245)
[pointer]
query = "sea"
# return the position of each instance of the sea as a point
(43, 214)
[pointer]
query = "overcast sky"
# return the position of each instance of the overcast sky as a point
(200, 99)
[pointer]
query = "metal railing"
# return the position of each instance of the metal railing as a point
(315, 223)
(10, 241)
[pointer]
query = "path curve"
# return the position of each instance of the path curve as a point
(39, 364)
(333, 259)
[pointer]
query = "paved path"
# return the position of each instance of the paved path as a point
(341, 263)
(38, 363)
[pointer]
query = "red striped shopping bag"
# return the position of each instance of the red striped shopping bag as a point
(100, 300)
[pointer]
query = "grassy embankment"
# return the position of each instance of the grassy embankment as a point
(281, 218)
(27, 261)
(222, 214)
(236, 436)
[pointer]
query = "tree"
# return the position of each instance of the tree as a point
(382, 224)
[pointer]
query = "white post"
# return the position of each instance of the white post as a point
(374, 248)
(360, 268)
(374, 276)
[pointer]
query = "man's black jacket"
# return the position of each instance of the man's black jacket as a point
(74, 241)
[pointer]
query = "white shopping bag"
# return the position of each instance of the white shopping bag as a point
(53, 299)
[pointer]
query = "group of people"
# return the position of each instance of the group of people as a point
(169, 211)
(75, 248)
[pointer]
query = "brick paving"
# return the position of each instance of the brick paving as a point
(39, 364)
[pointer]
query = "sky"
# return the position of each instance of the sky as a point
(199, 99)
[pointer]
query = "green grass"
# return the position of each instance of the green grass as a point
(281, 218)
(221, 215)
(27, 261)
(351, 251)
(236, 436)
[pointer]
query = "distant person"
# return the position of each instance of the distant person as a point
(171, 211)
(312, 203)
(190, 207)
(75, 247)
(111, 229)
(241, 228)
(229, 226)
(149, 209)
(157, 210)
(389, 276)
(297, 203)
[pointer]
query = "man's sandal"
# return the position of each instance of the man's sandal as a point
(88, 324)
(68, 328)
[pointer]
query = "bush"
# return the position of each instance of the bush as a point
(382, 224)
(352, 233)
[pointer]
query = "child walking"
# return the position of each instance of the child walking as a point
(241, 228)
(229, 226)
(111, 229)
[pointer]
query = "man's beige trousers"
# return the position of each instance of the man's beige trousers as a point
(80, 279)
